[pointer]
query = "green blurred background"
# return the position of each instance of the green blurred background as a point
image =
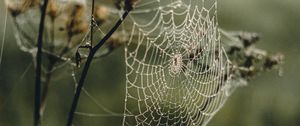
(268, 100)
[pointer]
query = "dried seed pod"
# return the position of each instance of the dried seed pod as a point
(101, 14)
(75, 27)
(115, 41)
(249, 61)
(248, 39)
(248, 73)
(75, 23)
(273, 61)
(234, 49)
(52, 9)
(31, 3)
(79, 26)
(14, 8)
(118, 39)
(77, 10)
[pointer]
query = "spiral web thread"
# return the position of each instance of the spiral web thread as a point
(177, 72)
(176, 68)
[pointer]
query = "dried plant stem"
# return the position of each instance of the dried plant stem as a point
(52, 36)
(92, 21)
(90, 57)
(48, 77)
(37, 96)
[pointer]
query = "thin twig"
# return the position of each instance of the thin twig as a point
(48, 76)
(37, 98)
(87, 66)
(92, 21)
(52, 35)
(4, 35)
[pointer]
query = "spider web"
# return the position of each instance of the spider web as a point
(176, 68)
(177, 72)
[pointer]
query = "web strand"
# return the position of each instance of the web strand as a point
(176, 68)
(4, 36)
(177, 72)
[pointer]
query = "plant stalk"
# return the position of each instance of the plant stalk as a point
(48, 78)
(87, 66)
(92, 21)
(37, 96)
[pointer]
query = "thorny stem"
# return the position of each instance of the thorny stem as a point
(87, 66)
(37, 99)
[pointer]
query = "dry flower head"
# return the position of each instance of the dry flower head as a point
(75, 23)
(52, 9)
(18, 7)
(118, 39)
(101, 14)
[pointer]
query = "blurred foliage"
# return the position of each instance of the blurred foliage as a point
(268, 100)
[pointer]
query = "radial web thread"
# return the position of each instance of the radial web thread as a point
(176, 68)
